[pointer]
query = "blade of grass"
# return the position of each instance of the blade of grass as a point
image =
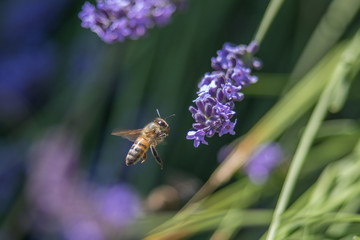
(300, 154)
(226, 226)
(208, 220)
(336, 192)
(330, 28)
(266, 21)
(311, 129)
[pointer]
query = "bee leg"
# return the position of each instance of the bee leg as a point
(144, 158)
(157, 157)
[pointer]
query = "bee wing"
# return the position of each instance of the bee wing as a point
(131, 135)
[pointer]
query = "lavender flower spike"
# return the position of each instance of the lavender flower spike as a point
(220, 89)
(116, 20)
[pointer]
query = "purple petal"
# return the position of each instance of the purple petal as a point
(208, 109)
(200, 105)
(198, 126)
(199, 117)
(192, 110)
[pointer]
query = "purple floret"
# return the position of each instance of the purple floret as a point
(197, 136)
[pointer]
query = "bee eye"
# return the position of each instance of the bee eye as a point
(161, 123)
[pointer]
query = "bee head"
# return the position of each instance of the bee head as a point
(163, 125)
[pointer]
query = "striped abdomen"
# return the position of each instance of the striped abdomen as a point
(137, 150)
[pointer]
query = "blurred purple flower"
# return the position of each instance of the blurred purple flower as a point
(11, 173)
(116, 20)
(219, 90)
(28, 21)
(62, 201)
(224, 152)
(263, 161)
(23, 79)
(27, 59)
(117, 204)
(83, 230)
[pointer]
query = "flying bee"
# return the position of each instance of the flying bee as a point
(148, 137)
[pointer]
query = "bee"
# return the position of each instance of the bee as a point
(148, 137)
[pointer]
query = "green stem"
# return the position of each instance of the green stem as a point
(300, 154)
(311, 129)
(269, 16)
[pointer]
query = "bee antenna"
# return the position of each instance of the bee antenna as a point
(157, 110)
(172, 115)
